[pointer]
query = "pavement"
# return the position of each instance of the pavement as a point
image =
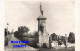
(11, 48)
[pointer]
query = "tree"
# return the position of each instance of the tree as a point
(23, 29)
(71, 37)
(22, 32)
(54, 37)
(6, 32)
(62, 38)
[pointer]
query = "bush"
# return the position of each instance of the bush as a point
(71, 37)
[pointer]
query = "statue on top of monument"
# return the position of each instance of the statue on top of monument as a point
(41, 9)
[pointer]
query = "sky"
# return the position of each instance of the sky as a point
(60, 15)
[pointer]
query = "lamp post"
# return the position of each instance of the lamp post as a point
(7, 28)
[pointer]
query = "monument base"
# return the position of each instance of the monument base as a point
(43, 45)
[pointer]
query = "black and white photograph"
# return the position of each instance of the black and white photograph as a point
(39, 25)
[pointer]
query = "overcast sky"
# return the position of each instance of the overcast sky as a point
(59, 14)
